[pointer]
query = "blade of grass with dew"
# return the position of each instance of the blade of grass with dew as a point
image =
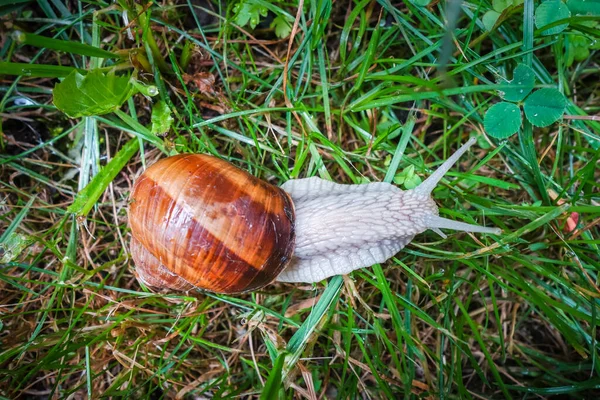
(36, 70)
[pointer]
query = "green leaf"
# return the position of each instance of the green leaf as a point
(412, 182)
(545, 106)
(92, 94)
(500, 5)
(249, 12)
(551, 11)
(502, 120)
(408, 178)
(578, 46)
(584, 7)
(161, 118)
(282, 26)
(576, 49)
(522, 84)
(489, 19)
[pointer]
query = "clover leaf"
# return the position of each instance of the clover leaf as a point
(551, 11)
(282, 26)
(521, 85)
(545, 106)
(502, 120)
(249, 11)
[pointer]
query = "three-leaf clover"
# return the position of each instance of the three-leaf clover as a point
(408, 178)
(249, 11)
(542, 107)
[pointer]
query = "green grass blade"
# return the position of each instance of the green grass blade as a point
(36, 70)
(273, 383)
(87, 198)
(63, 45)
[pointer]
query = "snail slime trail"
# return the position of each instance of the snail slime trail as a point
(200, 222)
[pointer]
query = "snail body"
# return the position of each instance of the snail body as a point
(200, 222)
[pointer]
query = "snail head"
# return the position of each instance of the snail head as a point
(428, 210)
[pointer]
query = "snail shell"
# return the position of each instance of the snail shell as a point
(198, 221)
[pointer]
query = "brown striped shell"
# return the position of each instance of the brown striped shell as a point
(198, 221)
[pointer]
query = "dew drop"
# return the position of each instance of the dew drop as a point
(23, 101)
(152, 90)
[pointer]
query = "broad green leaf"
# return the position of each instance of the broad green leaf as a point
(502, 120)
(412, 182)
(249, 11)
(500, 5)
(584, 7)
(489, 19)
(161, 118)
(92, 94)
(522, 84)
(282, 26)
(545, 106)
(551, 11)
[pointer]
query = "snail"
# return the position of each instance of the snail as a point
(199, 222)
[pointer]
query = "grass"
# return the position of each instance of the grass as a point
(360, 91)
